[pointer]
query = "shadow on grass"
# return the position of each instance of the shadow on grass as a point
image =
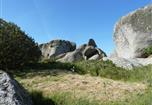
(49, 65)
(39, 99)
(42, 69)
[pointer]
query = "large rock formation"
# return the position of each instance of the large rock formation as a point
(132, 34)
(93, 53)
(87, 51)
(72, 56)
(129, 63)
(92, 43)
(95, 57)
(11, 93)
(65, 51)
(56, 47)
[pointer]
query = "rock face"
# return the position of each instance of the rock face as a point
(129, 63)
(11, 93)
(65, 51)
(72, 56)
(89, 52)
(95, 57)
(92, 43)
(84, 52)
(133, 32)
(56, 47)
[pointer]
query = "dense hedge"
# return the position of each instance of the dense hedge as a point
(16, 48)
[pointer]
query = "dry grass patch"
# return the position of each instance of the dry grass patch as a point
(93, 88)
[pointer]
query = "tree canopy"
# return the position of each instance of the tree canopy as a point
(16, 47)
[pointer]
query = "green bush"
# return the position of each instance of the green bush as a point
(101, 68)
(16, 48)
(148, 51)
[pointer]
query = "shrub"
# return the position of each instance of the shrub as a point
(101, 68)
(16, 48)
(148, 51)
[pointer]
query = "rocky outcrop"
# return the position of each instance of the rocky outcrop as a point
(11, 93)
(92, 43)
(92, 53)
(132, 34)
(101, 52)
(129, 63)
(72, 56)
(56, 47)
(65, 51)
(95, 57)
(89, 52)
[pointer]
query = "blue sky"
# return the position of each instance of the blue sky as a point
(74, 20)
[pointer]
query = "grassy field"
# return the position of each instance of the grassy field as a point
(86, 83)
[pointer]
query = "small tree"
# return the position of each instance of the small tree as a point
(16, 48)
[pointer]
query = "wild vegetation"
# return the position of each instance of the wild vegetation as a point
(17, 48)
(86, 83)
(148, 51)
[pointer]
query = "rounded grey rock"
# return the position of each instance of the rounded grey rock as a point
(133, 33)
(11, 92)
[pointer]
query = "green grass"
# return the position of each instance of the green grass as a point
(68, 99)
(95, 68)
(39, 99)
(59, 99)
(104, 69)
(100, 68)
(109, 70)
